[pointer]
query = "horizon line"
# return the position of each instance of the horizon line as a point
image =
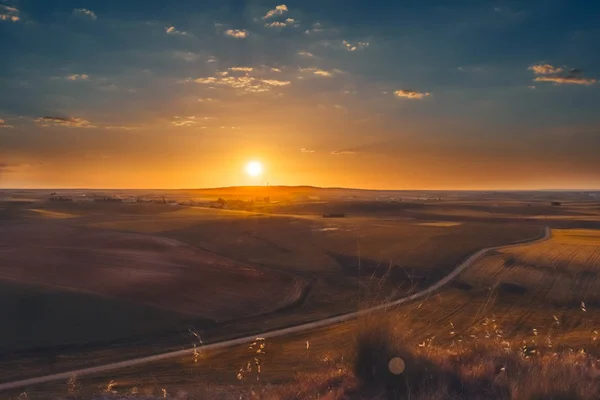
(318, 187)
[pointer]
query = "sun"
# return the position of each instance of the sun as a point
(254, 168)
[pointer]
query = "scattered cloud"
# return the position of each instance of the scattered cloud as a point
(305, 150)
(8, 13)
(305, 54)
(411, 94)
(171, 30)
(355, 46)
(241, 69)
(84, 12)
(322, 72)
(207, 100)
(237, 33)
(3, 124)
(560, 76)
(74, 122)
(545, 69)
(245, 83)
(278, 10)
(78, 77)
(531, 87)
(186, 55)
(276, 24)
(184, 121)
(317, 27)
(342, 152)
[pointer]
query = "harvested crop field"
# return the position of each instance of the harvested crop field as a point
(152, 270)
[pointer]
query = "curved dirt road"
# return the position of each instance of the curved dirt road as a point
(271, 334)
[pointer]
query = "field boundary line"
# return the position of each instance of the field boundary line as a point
(274, 333)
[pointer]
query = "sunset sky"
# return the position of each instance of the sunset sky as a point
(369, 94)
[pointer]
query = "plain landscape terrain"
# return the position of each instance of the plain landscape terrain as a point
(89, 277)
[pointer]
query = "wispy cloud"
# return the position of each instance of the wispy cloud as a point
(3, 124)
(305, 54)
(6, 167)
(342, 152)
(8, 13)
(305, 150)
(317, 27)
(171, 30)
(560, 76)
(322, 72)
(411, 94)
(78, 77)
(278, 10)
(355, 45)
(84, 12)
(186, 55)
(74, 122)
(184, 121)
(568, 79)
(237, 33)
(241, 69)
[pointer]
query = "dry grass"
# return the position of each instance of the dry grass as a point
(488, 369)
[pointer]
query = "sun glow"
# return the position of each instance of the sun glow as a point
(254, 168)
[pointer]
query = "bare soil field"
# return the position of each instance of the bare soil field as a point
(156, 271)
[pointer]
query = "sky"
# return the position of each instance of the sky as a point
(378, 94)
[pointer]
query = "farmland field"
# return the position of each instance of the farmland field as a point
(155, 275)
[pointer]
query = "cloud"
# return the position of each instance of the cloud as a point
(74, 122)
(279, 10)
(172, 31)
(276, 24)
(569, 79)
(355, 46)
(545, 69)
(78, 77)
(322, 72)
(305, 54)
(237, 33)
(342, 152)
(186, 55)
(3, 124)
(6, 168)
(121, 127)
(411, 94)
(316, 28)
(8, 13)
(241, 69)
(84, 12)
(184, 121)
(305, 150)
(245, 83)
(559, 76)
